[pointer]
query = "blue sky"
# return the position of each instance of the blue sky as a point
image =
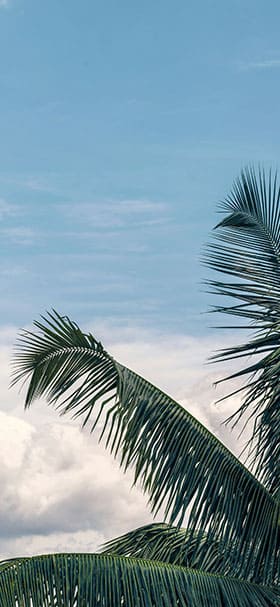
(122, 125)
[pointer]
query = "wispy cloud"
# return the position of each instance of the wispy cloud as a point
(7, 209)
(4, 3)
(8, 270)
(118, 213)
(33, 183)
(260, 65)
(36, 185)
(18, 234)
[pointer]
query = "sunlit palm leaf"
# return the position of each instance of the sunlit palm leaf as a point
(88, 580)
(247, 247)
(179, 463)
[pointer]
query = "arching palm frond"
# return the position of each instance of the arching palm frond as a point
(179, 463)
(81, 580)
(163, 542)
(247, 247)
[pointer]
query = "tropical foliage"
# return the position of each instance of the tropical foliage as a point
(228, 553)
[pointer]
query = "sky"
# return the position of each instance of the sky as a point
(122, 126)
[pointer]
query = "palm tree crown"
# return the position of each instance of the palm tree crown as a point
(228, 553)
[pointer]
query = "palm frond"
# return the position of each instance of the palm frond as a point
(179, 463)
(89, 580)
(247, 247)
(170, 544)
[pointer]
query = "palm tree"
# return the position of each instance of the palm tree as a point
(228, 553)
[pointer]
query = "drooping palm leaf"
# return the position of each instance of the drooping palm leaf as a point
(89, 580)
(247, 247)
(179, 463)
(174, 545)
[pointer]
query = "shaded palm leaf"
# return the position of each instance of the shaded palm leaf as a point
(89, 580)
(162, 542)
(179, 463)
(247, 247)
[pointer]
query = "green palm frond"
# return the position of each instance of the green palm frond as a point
(89, 580)
(170, 544)
(179, 463)
(247, 247)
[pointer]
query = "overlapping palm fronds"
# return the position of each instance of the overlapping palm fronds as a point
(89, 580)
(171, 544)
(178, 462)
(176, 546)
(247, 247)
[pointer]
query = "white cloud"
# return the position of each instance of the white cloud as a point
(60, 491)
(54, 478)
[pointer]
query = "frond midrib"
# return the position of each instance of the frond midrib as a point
(83, 350)
(203, 430)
